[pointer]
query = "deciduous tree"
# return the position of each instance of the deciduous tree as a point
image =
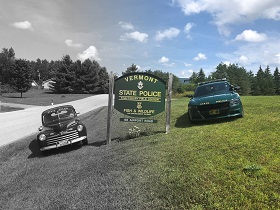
(20, 76)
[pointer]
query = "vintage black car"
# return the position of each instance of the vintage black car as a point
(60, 127)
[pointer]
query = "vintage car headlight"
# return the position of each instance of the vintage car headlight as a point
(80, 128)
(235, 101)
(42, 137)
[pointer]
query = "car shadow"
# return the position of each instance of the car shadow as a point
(36, 153)
(183, 121)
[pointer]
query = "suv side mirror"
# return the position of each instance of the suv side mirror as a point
(189, 96)
(237, 88)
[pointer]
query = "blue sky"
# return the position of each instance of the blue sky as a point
(177, 36)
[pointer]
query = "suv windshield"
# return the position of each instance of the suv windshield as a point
(212, 89)
(58, 115)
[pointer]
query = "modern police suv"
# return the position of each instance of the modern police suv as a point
(213, 100)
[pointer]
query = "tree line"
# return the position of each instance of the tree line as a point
(263, 83)
(69, 76)
(66, 76)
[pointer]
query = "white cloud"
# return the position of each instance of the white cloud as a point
(200, 56)
(163, 60)
(26, 25)
(136, 35)
(69, 43)
(187, 64)
(252, 54)
(126, 26)
(243, 59)
(225, 13)
(90, 53)
(251, 36)
(188, 28)
(167, 34)
(277, 59)
(186, 73)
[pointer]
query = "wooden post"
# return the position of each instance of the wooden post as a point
(168, 106)
(110, 107)
(0, 94)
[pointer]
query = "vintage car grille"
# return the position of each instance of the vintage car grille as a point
(52, 140)
(222, 107)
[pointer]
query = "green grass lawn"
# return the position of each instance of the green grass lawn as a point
(227, 164)
(40, 97)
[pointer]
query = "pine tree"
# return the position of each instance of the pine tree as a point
(63, 76)
(276, 77)
(193, 78)
(103, 81)
(7, 59)
(221, 72)
(268, 86)
(258, 81)
(133, 68)
(200, 76)
(20, 76)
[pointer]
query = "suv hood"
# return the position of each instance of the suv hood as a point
(212, 99)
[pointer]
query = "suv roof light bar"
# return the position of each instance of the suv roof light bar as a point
(216, 80)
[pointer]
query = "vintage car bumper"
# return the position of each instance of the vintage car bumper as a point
(62, 143)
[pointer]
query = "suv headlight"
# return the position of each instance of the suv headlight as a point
(234, 102)
(80, 128)
(42, 137)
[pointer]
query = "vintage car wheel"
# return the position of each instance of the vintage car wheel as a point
(85, 141)
(44, 153)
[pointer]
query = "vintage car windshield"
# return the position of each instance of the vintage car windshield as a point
(58, 115)
(212, 89)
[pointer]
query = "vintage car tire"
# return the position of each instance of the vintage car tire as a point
(85, 141)
(44, 153)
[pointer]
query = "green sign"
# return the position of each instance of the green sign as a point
(139, 95)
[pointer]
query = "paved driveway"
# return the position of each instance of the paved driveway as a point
(19, 124)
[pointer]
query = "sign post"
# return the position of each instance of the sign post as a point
(168, 107)
(110, 107)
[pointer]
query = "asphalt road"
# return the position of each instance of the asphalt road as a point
(19, 124)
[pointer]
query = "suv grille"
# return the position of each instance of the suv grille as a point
(222, 107)
(52, 140)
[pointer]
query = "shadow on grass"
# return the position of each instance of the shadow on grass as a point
(183, 121)
(14, 97)
(33, 147)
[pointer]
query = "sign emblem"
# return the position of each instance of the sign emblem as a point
(140, 85)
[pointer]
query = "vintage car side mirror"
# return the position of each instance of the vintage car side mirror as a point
(40, 128)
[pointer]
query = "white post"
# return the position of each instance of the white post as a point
(110, 107)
